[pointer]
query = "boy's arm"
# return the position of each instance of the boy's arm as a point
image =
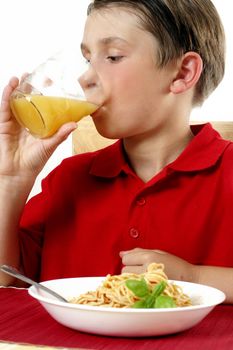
(218, 277)
(12, 200)
(22, 157)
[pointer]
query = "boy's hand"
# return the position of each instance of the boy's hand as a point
(21, 154)
(137, 260)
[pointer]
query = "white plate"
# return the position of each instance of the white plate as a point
(125, 322)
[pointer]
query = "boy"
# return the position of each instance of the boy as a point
(163, 192)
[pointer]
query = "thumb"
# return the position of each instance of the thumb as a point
(125, 252)
(61, 135)
(64, 131)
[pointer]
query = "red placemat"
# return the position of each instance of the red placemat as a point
(24, 320)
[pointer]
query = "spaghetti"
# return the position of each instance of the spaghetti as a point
(113, 291)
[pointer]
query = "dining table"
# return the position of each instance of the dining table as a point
(25, 324)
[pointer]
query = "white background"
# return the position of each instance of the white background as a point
(32, 30)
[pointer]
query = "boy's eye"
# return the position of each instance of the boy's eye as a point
(114, 58)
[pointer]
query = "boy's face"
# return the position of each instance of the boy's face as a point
(122, 74)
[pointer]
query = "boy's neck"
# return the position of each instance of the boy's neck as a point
(149, 155)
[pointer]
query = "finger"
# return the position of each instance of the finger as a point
(134, 269)
(140, 256)
(124, 252)
(160, 252)
(13, 83)
(134, 257)
(65, 130)
(61, 135)
(24, 75)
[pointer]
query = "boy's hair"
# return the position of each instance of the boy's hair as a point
(180, 26)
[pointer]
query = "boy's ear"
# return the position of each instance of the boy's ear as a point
(190, 69)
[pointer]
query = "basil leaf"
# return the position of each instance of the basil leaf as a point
(145, 303)
(164, 301)
(138, 287)
(150, 301)
(140, 304)
(151, 298)
(159, 288)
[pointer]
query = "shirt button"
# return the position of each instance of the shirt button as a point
(134, 233)
(141, 201)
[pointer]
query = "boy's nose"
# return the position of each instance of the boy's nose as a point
(88, 80)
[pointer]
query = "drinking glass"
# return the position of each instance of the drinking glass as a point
(51, 96)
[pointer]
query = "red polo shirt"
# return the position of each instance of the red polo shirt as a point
(92, 206)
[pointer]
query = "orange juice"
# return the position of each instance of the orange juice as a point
(43, 115)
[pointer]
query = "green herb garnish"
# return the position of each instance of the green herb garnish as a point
(149, 298)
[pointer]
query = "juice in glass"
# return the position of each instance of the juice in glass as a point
(43, 115)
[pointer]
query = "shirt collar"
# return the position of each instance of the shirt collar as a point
(202, 152)
(110, 161)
